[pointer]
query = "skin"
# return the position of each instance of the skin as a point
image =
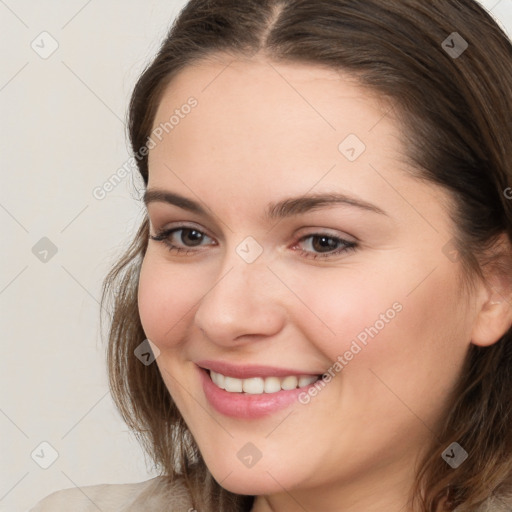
(263, 132)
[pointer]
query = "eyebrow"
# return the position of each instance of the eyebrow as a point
(281, 209)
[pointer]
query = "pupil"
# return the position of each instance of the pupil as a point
(193, 235)
(326, 242)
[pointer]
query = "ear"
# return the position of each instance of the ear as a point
(494, 298)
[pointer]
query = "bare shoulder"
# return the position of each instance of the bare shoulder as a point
(156, 494)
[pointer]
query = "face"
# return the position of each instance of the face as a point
(362, 290)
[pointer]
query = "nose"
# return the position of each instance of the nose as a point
(245, 301)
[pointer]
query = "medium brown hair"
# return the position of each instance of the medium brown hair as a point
(455, 115)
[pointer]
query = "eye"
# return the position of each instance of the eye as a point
(183, 240)
(327, 245)
(186, 235)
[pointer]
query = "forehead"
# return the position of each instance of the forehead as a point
(257, 89)
(257, 115)
(260, 132)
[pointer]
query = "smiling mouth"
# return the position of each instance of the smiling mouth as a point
(260, 385)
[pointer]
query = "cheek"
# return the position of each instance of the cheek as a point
(382, 322)
(163, 300)
(343, 307)
(413, 360)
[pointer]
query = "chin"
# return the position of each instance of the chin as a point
(254, 481)
(249, 485)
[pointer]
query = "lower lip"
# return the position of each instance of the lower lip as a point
(246, 405)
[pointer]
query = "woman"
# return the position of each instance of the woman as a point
(315, 313)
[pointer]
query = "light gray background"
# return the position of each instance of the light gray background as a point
(63, 135)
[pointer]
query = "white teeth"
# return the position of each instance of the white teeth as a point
(306, 381)
(272, 385)
(253, 386)
(289, 382)
(218, 379)
(232, 384)
(259, 385)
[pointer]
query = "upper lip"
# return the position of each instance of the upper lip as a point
(249, 371)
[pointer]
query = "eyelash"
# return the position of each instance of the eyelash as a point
(163, 236)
